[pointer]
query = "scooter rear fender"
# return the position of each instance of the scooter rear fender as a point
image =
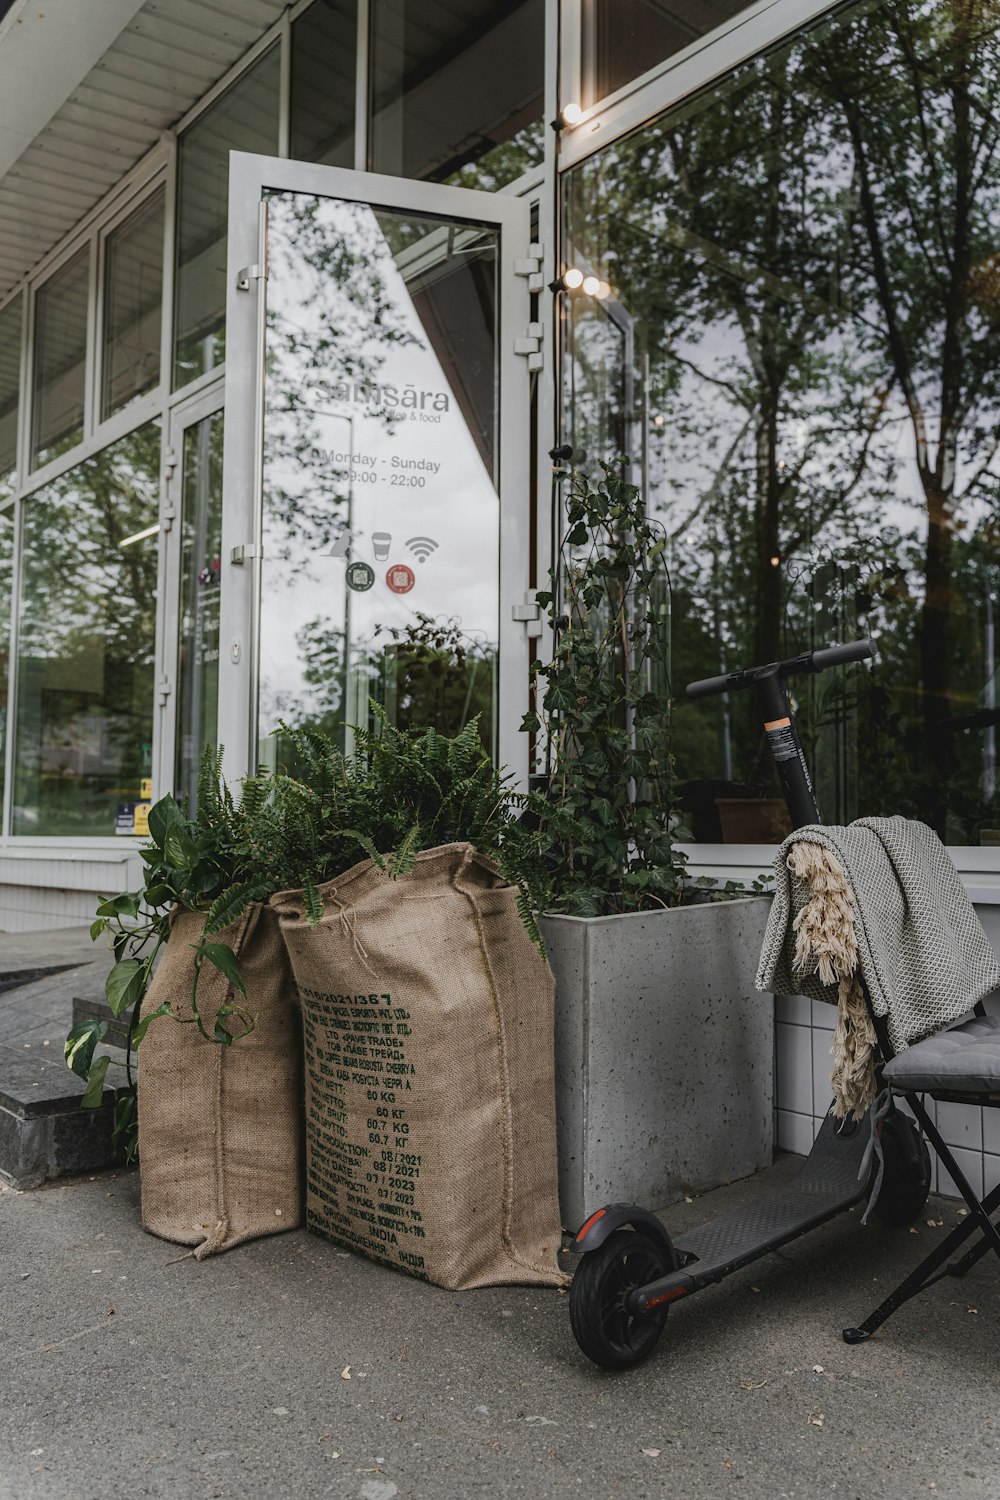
(592, 1234)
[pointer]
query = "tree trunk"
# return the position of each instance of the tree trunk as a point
(767, 583)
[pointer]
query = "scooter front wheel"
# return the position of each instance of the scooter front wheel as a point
(605, 1329)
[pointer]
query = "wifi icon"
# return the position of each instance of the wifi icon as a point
(422, 546)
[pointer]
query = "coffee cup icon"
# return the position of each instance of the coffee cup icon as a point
(381, 542)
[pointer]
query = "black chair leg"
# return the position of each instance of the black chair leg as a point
(928, 1271)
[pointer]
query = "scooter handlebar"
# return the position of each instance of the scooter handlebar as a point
(809, 661)
(709, 685)
(832, 656)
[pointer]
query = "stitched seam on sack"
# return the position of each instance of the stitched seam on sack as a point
(221, 1230)
(508, 1131)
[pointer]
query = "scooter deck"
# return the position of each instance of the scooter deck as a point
(826, 1185)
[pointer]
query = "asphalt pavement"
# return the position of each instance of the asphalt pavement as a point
(289, 1367)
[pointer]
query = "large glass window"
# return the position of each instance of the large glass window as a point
(10, 385)
(324, 59)
(798, 342)
(622, 39)
(201, 551)
(457, 89)
(60, 372)
(245, 118)
(133, 292)
(84, 724)
(6, 581)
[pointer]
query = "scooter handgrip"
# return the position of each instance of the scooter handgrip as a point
(833, 656)
(709, 685)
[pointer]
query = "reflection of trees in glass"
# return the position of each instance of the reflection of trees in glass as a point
(504, 163)
(6, 590)
(805, 293)
(86, 641)
(437, 673)
(427, 672)
(331, 321)
(201, 576)
(336, 318)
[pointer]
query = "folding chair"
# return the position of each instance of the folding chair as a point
(962, 1066)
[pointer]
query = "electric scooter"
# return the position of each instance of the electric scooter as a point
(631, 1269)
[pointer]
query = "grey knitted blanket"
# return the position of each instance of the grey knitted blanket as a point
(921, 949)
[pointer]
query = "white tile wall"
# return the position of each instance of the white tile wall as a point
(802, 1089)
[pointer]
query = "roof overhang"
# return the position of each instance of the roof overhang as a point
(87, 88)
(45, 52)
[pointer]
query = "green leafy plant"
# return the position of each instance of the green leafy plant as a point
(193, 863)
(605, 826)
(400, 792)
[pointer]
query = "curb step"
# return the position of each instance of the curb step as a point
(44, 1133)
(87, 1008)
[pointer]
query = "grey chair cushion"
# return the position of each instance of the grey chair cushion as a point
(964, 1060)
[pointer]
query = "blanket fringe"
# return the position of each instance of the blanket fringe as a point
(826, 944)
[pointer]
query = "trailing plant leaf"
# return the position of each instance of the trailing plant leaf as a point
(224, 960)
(93, 1094)
(124, 984)
(80, 1044)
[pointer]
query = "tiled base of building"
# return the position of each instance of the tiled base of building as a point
(803, 1036)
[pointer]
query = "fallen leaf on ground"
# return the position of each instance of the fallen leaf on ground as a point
(817, 1369)
(345, 1373)
(815, 1419)
(652, 1452)
(752, 1385)
(934, 1223)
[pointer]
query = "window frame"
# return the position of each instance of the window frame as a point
(636, 103)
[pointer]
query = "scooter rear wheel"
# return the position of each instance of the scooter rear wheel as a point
(605, 1329)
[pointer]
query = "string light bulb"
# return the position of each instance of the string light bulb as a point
(572, 278)
(591, 286)
(571, 114)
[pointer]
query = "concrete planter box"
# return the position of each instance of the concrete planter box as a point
(664, 1053)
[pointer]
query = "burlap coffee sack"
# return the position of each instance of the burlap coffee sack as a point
(220, 1128)
(430, 1097)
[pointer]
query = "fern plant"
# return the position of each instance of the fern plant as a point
(400, 792)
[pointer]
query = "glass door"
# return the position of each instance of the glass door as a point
(189, 679)
(376, 464)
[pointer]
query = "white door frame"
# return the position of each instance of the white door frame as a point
(249, 177)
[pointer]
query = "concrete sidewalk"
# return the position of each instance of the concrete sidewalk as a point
(130, 1371)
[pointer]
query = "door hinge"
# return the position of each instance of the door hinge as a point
(164, 687)
(530, 266)
(168, 515)
(248, 274)
(529, 614)
(244, 552)
(530, 345)
(169, 462)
